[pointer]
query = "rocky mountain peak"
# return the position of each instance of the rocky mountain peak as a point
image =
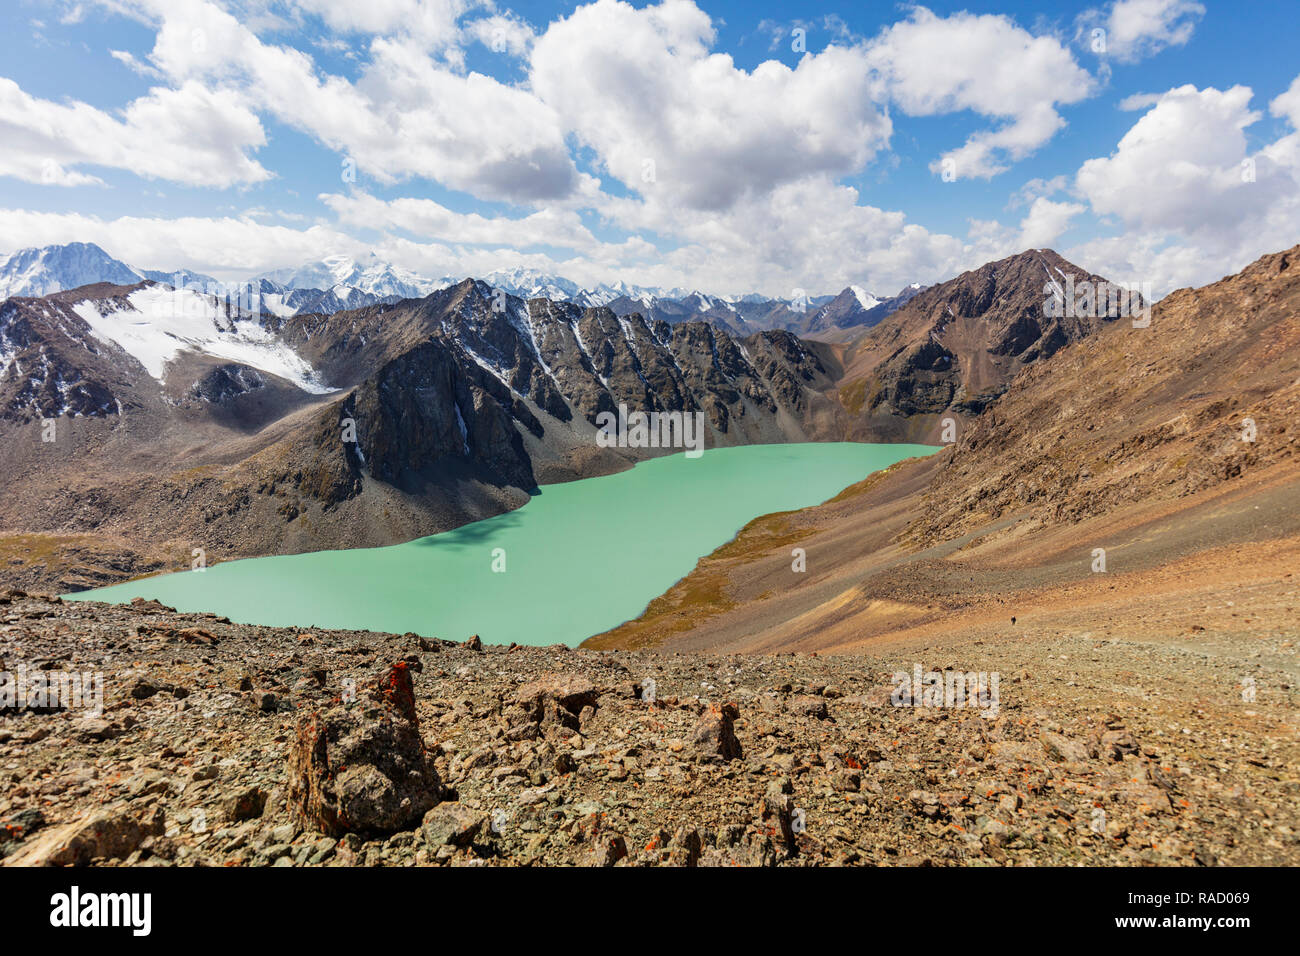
(955, 346)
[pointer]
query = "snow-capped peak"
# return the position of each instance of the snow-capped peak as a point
(341, 274)
(865, 298)
(49, 269)
(532, 284)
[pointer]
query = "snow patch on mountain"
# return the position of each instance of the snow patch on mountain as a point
(865, 298)
(161, 322)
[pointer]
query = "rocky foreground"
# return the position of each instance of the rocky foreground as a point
(226, 744)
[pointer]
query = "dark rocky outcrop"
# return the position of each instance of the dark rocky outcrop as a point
(715, 733)
(363, 768)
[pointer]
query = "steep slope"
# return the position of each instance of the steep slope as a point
(953, 348)
(549, 369)
(1209, 392)
(102, 350)
(1132, 441)
(50, 364)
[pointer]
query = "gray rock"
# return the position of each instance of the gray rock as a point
(452, 824)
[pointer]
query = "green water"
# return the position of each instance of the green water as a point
(580, 557)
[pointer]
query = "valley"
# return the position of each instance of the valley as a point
(185, 422)
(1150, 461)
(1097, 517)
(574, 560)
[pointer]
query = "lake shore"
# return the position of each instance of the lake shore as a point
(540, 574)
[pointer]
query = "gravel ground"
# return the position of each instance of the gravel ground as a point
(227, 744)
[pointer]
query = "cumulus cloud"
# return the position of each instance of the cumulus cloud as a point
(434, 22)
(502, 34)
(931, 65)
(404, 116)
(1034, 188)
(1287, 105)
(814, 234)
(191, 135)
(228, 247)
(1133, 30)
(426, 218)
(685, 126)
(631, 147)
(1046, 221)
(1194, 201)
(1179, 166)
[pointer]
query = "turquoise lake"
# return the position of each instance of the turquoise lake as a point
(580, 558)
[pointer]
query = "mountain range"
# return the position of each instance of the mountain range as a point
(339, 282)
(1138, 486)
(183, 417)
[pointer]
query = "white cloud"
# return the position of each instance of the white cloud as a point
(434, 22)
(1288, 104)
(1193, 201)
(932, 65)
(720, 178)
(129, 60)
(1046, 221)
(813, 234)
(404, 116)
(1137, 29)
(1179, 166)
(502, 34)
(191, 135)
(228, 248)
(428, 219)
(684, 126)
(1034, 188)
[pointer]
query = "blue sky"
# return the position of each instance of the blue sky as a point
(694, 144)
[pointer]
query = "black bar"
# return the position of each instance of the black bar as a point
(333, 906)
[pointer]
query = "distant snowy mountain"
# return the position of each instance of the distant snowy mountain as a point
(181, 278)
(338, 282)
(853, 309)
(865, 298)
(534, 284)
(342, 274)
(49, 269)
(531, 284)
(37, 272)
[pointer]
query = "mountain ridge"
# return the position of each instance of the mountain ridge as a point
(461, 403)
(339, 282)
(1139, 466)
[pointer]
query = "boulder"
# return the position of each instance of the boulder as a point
(715, 734)
(776, 815)
(1064, 749)
(246, 803)
(452, 824)
(808, 706)
(364, 768)
(558, 699)
(609, 849)
(110, 832)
